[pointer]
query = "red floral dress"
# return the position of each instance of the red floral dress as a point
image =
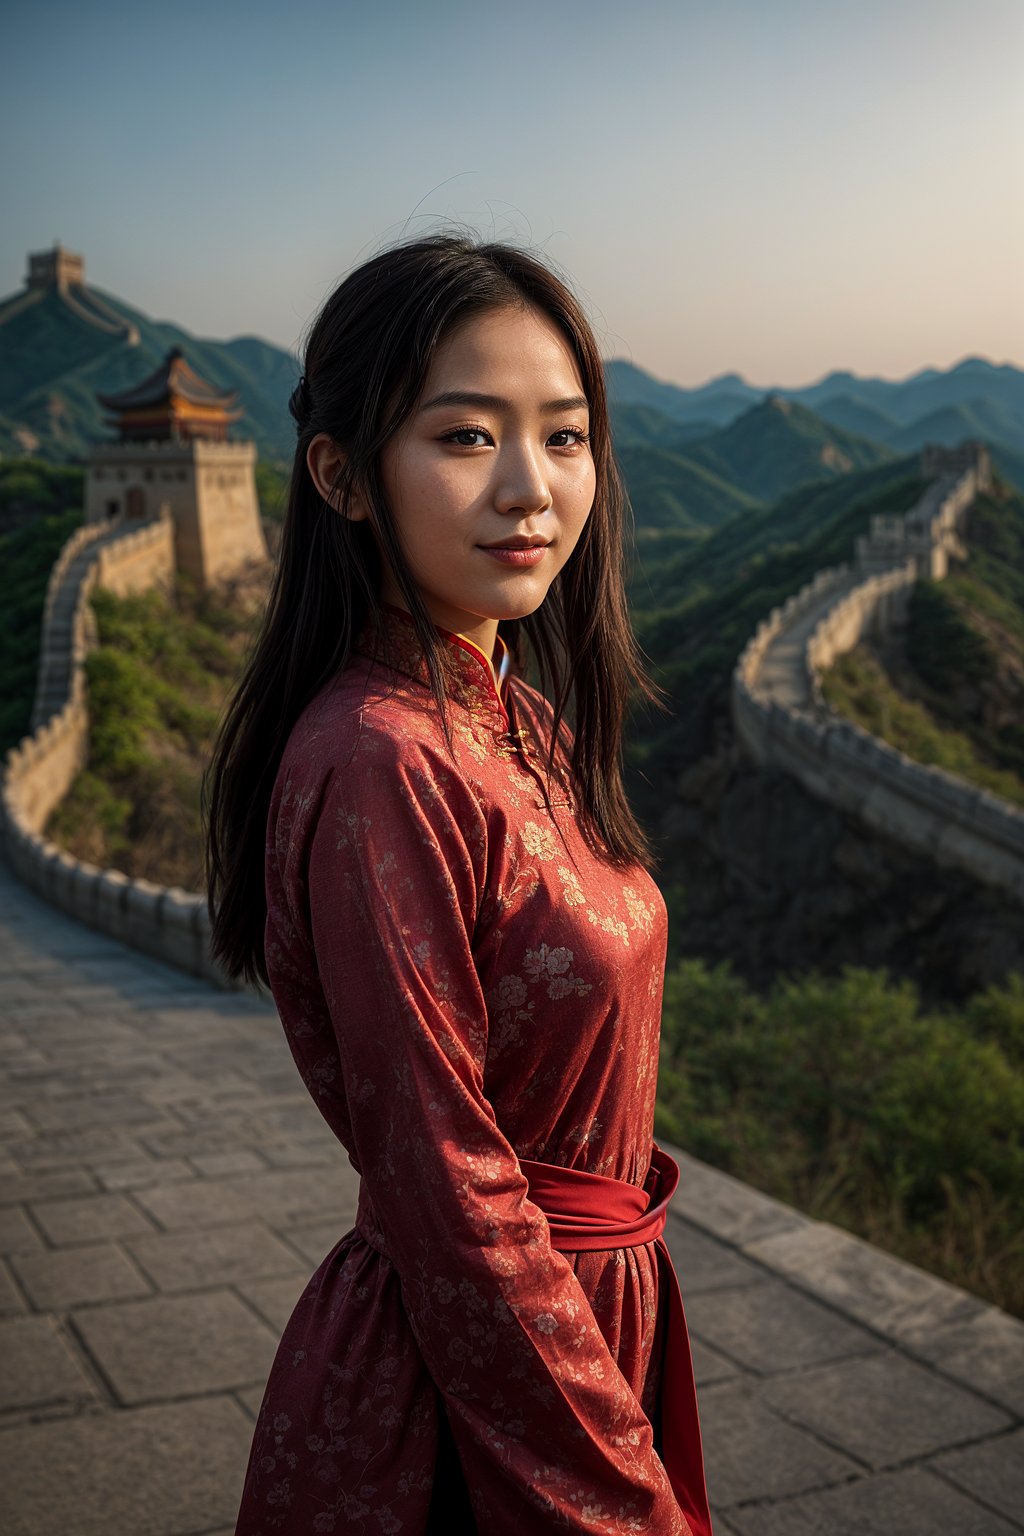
(462, 983)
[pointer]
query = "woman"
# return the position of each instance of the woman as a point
(448, 894)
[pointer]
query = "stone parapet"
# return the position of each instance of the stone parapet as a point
(141, 559)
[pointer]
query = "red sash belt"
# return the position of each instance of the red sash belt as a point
(590, 1213)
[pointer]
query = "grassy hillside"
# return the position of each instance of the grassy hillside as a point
(40, 507)
(861, 687)
(778, 445)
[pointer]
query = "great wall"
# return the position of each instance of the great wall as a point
(779, 715)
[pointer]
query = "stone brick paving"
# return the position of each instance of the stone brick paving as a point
(166, 1189)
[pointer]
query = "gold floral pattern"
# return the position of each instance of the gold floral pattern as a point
(540, 842)
(642, 914)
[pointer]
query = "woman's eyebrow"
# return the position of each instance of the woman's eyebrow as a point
(499, 403)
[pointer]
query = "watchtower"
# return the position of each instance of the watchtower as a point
(173, 458)
(57, 268)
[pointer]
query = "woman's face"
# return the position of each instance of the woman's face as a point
(495, 451)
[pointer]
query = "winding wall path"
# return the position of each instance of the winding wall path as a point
(781, 718)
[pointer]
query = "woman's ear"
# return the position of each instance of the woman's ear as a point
(325, 461)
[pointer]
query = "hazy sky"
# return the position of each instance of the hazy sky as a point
(777, 187)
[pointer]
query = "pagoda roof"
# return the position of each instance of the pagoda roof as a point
(174, 379)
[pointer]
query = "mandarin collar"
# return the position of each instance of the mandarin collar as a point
(398, 646)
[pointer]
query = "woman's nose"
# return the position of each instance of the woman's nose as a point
(522, 482)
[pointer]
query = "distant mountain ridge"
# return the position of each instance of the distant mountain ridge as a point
(974, 398)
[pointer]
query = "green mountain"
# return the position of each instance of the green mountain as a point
(852, 413)
(58, 349)
(971, 379)
(1010, 465)
(778, 445)
(681, 479)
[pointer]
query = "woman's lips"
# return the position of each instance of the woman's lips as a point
(531, 556)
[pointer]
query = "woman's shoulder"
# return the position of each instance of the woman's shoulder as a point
(365, 760)
(367, 733)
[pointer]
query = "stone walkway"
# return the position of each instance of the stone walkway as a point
(167, 1189)
(783, 674)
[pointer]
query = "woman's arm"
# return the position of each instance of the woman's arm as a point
(549, 1433)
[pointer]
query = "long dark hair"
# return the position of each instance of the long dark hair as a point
(366, 363)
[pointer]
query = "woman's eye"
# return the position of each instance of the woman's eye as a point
(569, 437)
(468, 437)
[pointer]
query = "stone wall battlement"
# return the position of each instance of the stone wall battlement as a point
(781, 718)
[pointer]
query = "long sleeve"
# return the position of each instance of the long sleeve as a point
(549, 1433)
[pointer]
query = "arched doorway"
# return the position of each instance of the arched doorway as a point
(135, 503)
